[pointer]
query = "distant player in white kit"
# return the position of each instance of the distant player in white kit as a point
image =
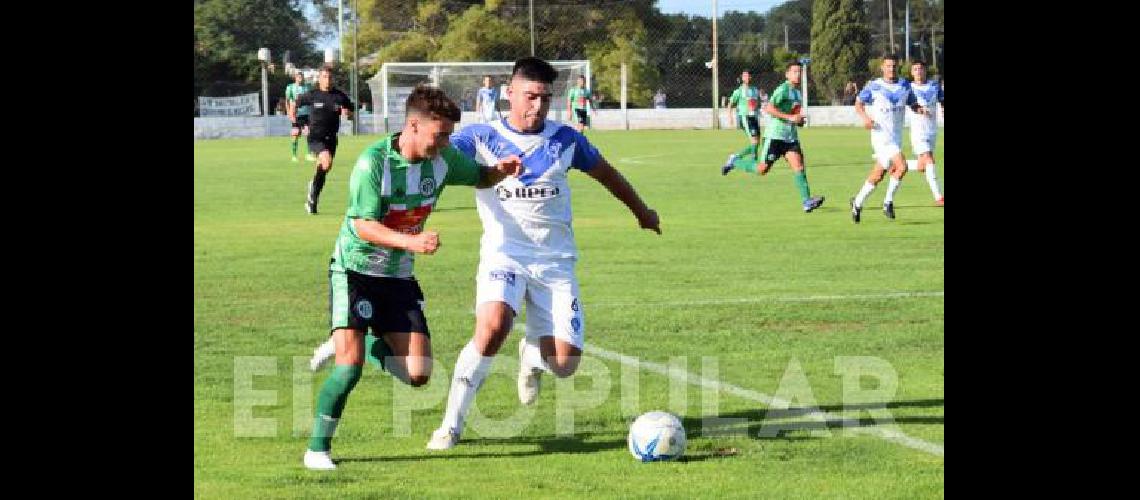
(486, 101)
(887, 97)
(527, 253)
(924, 128)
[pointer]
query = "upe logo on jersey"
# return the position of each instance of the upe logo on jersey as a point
(364, 309)
(525, 192)
(427, 186)
(506, 276)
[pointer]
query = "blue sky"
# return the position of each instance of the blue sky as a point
(703, 8)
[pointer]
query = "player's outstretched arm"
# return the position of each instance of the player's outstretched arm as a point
(489, 176)
(378, 234)
(618, 186)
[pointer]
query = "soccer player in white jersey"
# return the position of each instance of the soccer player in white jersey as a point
(887, 96)
(485, 101)
(527, 252)
(924, 128)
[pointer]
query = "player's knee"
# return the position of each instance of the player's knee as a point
(418, 379)
(564, 369)
(563, 366)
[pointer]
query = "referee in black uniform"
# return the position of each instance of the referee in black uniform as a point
(328, 104)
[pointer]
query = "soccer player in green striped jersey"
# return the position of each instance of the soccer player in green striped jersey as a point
(393, 188)
(781, 138)
(292, 92)
(748, 101)
(581, 100)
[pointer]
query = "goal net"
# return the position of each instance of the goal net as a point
(461, 81)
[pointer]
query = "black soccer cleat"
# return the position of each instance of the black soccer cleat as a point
(310, 201)
(812, 203)
(855, 211)
(889, 210)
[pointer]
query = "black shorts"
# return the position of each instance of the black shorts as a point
(318, 144)
(359, 301)
(302, 121)
(583, 117)
(750, 126)
(774, 149)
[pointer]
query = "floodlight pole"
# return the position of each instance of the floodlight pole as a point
(263, 57)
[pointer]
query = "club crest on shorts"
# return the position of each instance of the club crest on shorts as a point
(364, 309)
(427, 186)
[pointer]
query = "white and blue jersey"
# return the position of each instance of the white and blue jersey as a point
(885, 102)
(487, 98)
(528, 216)
(928, 94)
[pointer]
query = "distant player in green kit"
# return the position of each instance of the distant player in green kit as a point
(748, 101)
(581, 100)
(781, 137)
(394, 187)
(292, 92)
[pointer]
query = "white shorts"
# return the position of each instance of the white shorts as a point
(921, 142)
(885, 147)
(549, 288)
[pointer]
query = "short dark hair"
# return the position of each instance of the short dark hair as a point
(919, 62)
(433, 102)
(327, 67)
(891, 57)
(534, 69)
(793, 63)
(581, 77)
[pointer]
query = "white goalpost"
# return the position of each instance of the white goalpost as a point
(461, 81)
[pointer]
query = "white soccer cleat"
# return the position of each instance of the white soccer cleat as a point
(319, 460)
(322, 354)
(442, 439)
(529, 380)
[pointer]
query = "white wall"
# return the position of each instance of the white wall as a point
(607, 119)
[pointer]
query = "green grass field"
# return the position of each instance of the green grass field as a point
(781, 302)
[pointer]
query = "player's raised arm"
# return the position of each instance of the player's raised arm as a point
(618, 186)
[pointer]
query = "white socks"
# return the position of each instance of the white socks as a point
(891, 188)
(532, 356)
(470, 370)
(863, 193)
(932, 179)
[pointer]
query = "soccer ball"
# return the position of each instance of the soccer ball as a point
(656, 436)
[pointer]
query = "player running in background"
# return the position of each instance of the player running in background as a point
(486, 101)
(781, 137)
(887, 96)
(924, 128)
(301, 124)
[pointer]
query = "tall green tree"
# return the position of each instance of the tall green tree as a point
(839, 46)
(227, 34)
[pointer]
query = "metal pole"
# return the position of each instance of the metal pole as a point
(907, 38)
(785, 37)
(265, 96)
(340, 29)
(933, 49)
(355, 62)
(715, 74)
(891, 25)
(805, 90)
(532, 28)
(384, 94)
(624, 109)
